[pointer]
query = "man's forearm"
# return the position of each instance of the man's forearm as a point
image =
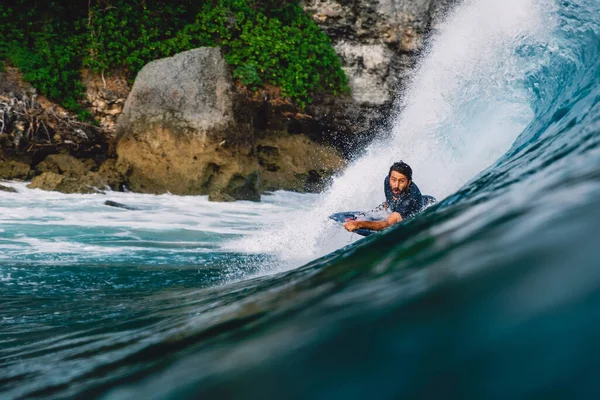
(372, 225)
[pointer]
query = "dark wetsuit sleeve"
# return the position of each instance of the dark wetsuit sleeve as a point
(409, 205)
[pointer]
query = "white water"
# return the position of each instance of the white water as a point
(59, 229)
(464, 108)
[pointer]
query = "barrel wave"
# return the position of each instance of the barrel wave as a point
(494, 292)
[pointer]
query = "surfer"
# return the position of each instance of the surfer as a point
(403, 199)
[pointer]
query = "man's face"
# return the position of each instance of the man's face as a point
(398, 182)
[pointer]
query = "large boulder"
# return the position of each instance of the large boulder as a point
(178, 134)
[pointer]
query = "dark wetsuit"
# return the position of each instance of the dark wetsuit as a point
(408, 204)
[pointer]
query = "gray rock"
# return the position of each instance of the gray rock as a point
(191, 91)
(7, 189)
(120, 205)
(177, 133)
(378, 42)
(367, 67)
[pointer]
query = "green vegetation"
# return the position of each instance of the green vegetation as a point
(265, 41)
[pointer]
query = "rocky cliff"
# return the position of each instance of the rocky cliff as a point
(186, 128)
(378, 42)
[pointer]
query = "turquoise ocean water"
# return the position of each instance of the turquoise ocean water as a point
(492, 293)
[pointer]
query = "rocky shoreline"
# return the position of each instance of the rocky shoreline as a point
(185, 127)
(216, 146)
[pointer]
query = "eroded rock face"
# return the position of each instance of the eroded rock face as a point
(367, 67)
(371, 37)
(294, 162)
(114, 174)
(14, 170)
(377, 41)
(170, 162)
(177, 132)
(89, 183)
(67, 174)
(63, 164)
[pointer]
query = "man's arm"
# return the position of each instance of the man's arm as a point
(394, 218)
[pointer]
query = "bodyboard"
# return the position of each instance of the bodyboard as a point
(345, 216)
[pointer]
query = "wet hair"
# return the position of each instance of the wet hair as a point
(402, 168)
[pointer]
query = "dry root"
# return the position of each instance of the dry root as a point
(27, 126)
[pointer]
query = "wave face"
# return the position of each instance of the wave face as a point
(492, 293)
(466, 105)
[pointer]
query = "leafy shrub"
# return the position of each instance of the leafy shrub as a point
(46, 49)
(297, 57)
(265, 41)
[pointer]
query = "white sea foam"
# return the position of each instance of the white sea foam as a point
(48, 227)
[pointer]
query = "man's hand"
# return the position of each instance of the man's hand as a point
(394, 218)
(351, 225)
